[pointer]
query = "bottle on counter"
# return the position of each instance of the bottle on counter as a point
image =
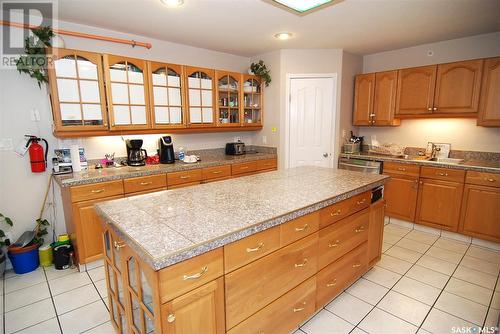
(182, 153)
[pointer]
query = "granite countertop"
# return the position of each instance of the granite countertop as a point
(108, 174)
(491, 166)
(171, 226)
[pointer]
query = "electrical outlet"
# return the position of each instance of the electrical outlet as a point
(35, 115)
(264, 139)
(237, 138)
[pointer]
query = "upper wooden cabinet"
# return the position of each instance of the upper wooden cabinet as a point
(364, 91)
(457, 87)
(127, 91)
(200, 95)
(228, 90)
(253, 100)
(166, 95)
(416, 90)
(489, 105)
(77, 91)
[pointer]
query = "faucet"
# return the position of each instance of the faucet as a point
(435, 150)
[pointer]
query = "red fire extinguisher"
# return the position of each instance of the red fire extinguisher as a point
(38, 159)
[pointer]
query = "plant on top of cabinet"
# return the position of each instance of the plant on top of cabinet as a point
(228, 98)
(127, 92)
(200, 92)
(77, 91)
(166, 91)
(252, 100)
(489, 106)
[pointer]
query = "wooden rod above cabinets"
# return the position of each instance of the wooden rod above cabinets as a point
(133, 43)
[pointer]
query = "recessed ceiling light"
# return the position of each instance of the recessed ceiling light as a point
(173, 3)
(303, 6)
(283, 35)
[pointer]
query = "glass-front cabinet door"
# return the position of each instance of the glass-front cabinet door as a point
(228, 98)
(77, 91)
(200, 96)
(166, 91)
(252, 100)
(127, 90)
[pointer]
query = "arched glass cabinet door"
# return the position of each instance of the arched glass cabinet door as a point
(200, 96)
(166, 90)
(127, 89)
(252, 101)
(228, 98)
(77, 91)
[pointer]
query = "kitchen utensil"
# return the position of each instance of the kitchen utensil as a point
(136, 156)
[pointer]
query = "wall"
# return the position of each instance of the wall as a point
(463, 134)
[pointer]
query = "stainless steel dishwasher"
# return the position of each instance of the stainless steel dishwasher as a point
(359, 165)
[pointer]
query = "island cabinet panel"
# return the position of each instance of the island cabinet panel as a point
(480, 215)
(415, 94)
(187, 275)
(340, 238)
(257, 284)
(340, 210)
(299, 228)
(251, 248)
(144, 183)
(376, 231)
(186, 178)
(334, 278)
(198, 311)
(400, 193)
(216, 173)
(284, 314)
(489, 104)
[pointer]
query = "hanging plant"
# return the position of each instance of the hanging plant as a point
(260, 70)
(34, 63)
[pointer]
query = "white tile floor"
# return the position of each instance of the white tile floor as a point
(425, 283)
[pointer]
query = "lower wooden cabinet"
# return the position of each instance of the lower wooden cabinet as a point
(376, 231)
(400, 193)
(439, 204)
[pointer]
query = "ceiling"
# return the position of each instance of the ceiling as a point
(247, 27)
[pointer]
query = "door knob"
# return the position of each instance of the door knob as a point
(325, 155)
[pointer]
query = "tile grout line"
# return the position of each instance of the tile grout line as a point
(52, 299)
(95, 287)
(491, 301)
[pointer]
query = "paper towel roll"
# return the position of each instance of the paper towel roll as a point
(75, 158)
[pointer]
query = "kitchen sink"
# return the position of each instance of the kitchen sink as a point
(447, 160)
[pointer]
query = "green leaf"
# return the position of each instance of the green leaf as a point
(9, 221)
(2, 234)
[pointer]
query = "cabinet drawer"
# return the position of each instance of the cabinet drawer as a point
(340, 210)
(483, 179)
(284, 314)
(399, 168)
(187, 275)
(340, 238)
(257, 284)
(144, 183)
(251, 248)
(299, 228)
(243, 168)
(95, 191)
(337, 276)
(177, 178)
(267, 164)
(445, 174)
(215, 172)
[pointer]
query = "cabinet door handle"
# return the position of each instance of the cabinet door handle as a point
(244, 167)
(185, 177)
(118, 245)
(372, 115)
(360, 229)
(255, 249)
(197, 275)
(300, 265)
(332, 283)
(441, 174)
(361, 202)
(402, 169)
(299, 308)
(435, 108)
(146, 183)
(336, 213)
(416, 185)
(356, 265)
(490, 179)
(171, 318)
(97, 191)
(429, 109)
(335, 244)
(300, 229)
(217, 172)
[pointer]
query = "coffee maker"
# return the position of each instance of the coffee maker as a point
(136, 156)
(166, 150)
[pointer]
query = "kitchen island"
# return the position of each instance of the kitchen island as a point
(256, 254)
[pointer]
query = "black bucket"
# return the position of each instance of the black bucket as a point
(62, 255)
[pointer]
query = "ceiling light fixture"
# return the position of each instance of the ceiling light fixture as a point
(173, 3)
(283, 35)
(303, 6)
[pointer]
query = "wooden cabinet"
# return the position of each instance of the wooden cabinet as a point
(253, 100)
(216, 173)
(77, 91)
(489, 104)
(244, 168)
(457, 87)
(200, 96)
(145, 183)
(415, 94)
(183, 179)
(401, 191)
(364, 92)
(343, 209)
(376, 231)
(228, 91)
(166, 90)
(127, 92)
(384, 106)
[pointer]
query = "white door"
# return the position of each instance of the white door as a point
(310, 122)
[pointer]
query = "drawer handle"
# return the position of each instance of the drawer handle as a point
(490, 180)
(185, 177)
(299, 308)
(441, 174)
(335, 244)
(336, 213)
(332, 283)
(197, 275)
(146, 183)
(360, 229)
(255, 249)
(361, 202)
(300, 265)
(401, 169)
(300, 229)
(244, 167)
(217, 172)
(171, 318)
(356, 265)
(97, 191)
(118, 245)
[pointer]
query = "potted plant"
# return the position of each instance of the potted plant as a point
(3, 242)
(260, 70)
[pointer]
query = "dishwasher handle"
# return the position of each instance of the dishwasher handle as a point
(358, 166)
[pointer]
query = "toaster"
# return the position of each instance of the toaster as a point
(235, 148)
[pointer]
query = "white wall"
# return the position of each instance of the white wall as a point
(351, 65)
(463, 134)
